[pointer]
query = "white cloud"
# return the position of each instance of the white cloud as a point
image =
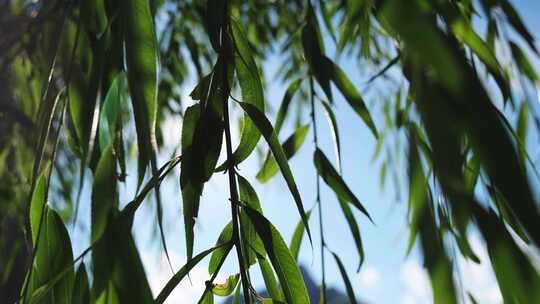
(159, 273)
(369, 277)
(416, 282)
(478, 279)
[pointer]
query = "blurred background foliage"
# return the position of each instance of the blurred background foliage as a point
(85, 86)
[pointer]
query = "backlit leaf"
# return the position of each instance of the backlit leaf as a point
(220, 251)
(290, 147)
(335, 132)
(252, 244)
(289, 275)
(285, 102)
(226, 288)
(349, 91)
(104, 195)
(267, 131)
(346, 280)
(335, 182)
(269, 278)
(297, 237)
(252, 91)
(142, 68)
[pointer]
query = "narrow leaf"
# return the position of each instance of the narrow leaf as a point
(349, 91)
(37, 206)
(104, 195)
(335, 132)
(285, 102)
(224, 237)
(110, 111)
(81, 289)
(142, 68)
(267, 131)
(298, 235)
(292, 283)
(269, 278)
(332, 179)
(252, 92)
(290, 147)
(355, 231)
(252, 244)
(346, 280)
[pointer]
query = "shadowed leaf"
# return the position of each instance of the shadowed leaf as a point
(289, 276)
(335, 182)
(290, 147)
(267, 131)
(346, 280)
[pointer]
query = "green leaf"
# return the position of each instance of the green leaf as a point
(464, 31)
(252, 244)
(201, 144)
(252, 92)
(208, 298)
(110, 296)
(327, 19)
(180, 274)
(226, 288)
(82, 93)
(224, 237)
(523, 63)
(353, 226)
(104, 193)
(289, 275)
(515, 21)
(297, 237)
(335, 132)
(336, 183)
(285, 102)
(142, 68)
(518, 279)
(236, 297)
(38, 206)
(111, 109)
(53, 255)
(349, 91)
(129, 277)
(290, 147)
(403, 20)
(267, 131)
(81, 289)
(348, 285)
(522, 130)
(94, 16)
(313, 46)
(190, 186)
(124, 269)
(423, 224)
(215, 14)
(269, 278)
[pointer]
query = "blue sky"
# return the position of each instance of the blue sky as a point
(387, 276)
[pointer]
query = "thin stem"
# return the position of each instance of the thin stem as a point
(210, 283)
(318, 197)
(234, 197)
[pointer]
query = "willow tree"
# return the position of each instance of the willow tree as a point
(79, 75)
